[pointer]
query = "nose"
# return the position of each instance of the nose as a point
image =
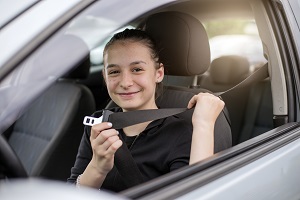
(126, 80)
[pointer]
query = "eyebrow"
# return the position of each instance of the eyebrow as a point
(138, 62)
(133, 63)
(111, 65)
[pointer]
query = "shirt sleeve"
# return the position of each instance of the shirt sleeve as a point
(83, 157)
(84, 154)
(179, 155)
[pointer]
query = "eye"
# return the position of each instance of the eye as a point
(137, 69)
(113, 72)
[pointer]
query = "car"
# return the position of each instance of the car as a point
(50, 78)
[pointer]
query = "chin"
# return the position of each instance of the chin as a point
(128, 107)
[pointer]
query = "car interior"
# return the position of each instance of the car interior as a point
(50, 129)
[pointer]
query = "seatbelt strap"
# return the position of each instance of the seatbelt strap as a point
(123, 119)
(127, 168)
(258, 75)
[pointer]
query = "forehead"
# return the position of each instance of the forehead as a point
(127, 49)
(129, 43)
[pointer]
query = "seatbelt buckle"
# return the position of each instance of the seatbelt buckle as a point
(90, 121)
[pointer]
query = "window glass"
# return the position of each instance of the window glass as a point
(235, 37)
(96, 53)
(64, 51)
(53, 59)
(10, 9)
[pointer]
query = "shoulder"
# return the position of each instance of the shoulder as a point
(178, 126)
(176, 121)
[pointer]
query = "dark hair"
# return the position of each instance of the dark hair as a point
(137, 35)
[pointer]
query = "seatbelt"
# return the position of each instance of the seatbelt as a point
(123, 119)
(124, 162)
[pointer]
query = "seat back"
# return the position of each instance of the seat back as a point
(46, 137)
(185, 51)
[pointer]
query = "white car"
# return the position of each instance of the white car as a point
(47, 86)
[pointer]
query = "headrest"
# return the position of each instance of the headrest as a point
(182, 41)
(81, 71)
(229, 69)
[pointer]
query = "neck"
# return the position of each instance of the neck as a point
(149, 105)
(138, 128)
(135, 129)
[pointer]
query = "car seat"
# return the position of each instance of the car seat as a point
(46, 137)
(185, 51)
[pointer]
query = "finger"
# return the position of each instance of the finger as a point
(98, 128)
(114, 147)
(192, 102)
(105, 135)
(107, 143)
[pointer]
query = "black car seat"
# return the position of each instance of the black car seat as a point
(46, 137)
(184, 52)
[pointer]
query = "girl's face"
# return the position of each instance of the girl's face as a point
(131, 75)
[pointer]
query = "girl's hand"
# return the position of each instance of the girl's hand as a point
(105, 142)
(207, 108)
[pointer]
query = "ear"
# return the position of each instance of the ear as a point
(160, 72)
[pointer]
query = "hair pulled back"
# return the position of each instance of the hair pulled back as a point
(135, 35)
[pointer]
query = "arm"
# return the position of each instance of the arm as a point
(104, 142)
(207, 109)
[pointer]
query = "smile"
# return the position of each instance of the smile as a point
(128, 94)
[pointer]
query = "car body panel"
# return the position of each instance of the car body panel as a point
(10, 10)
(274, 176)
